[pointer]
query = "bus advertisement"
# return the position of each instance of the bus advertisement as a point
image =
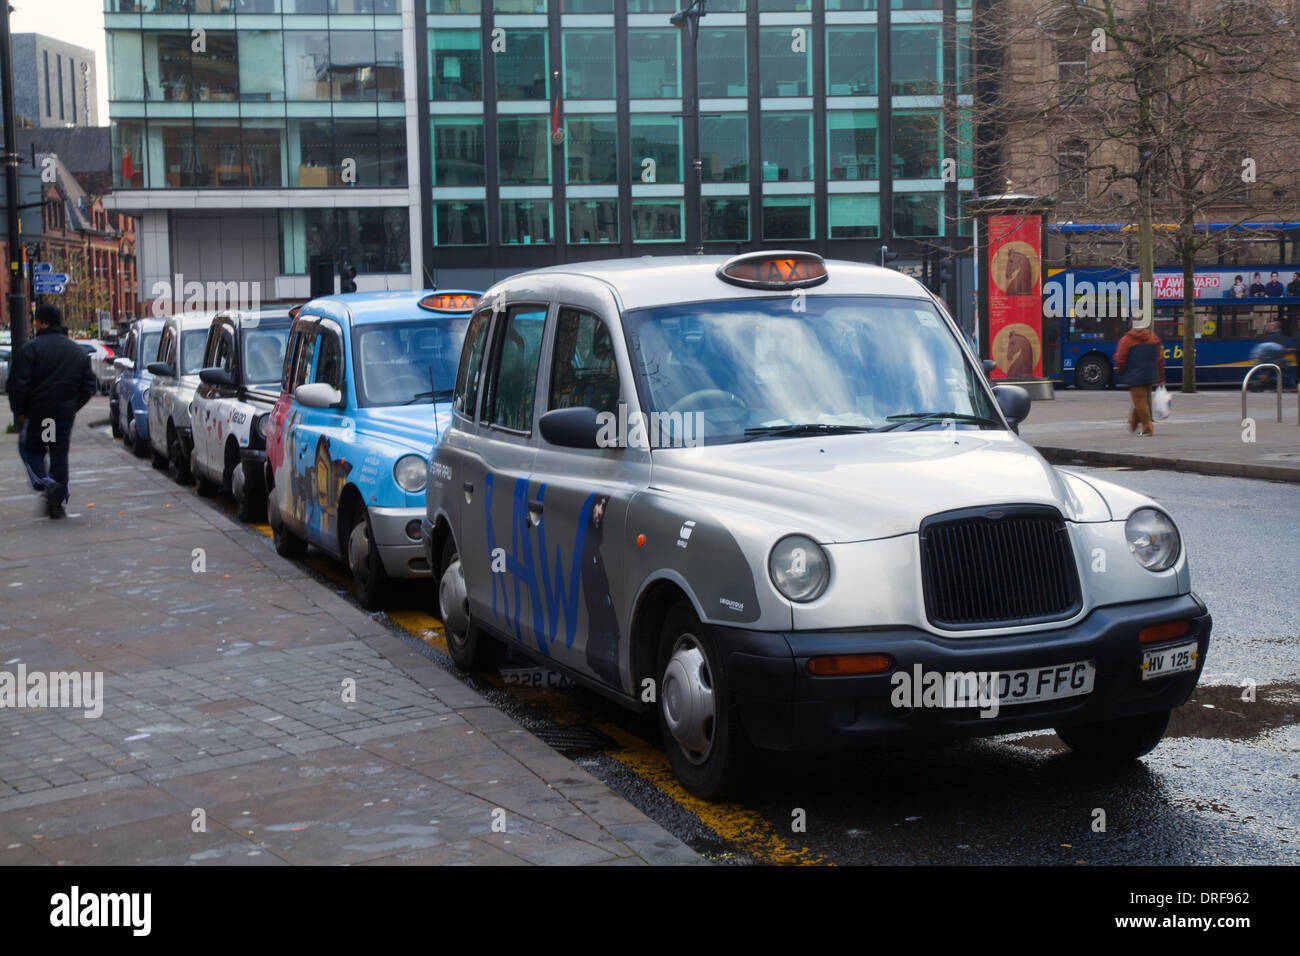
(1087, 311)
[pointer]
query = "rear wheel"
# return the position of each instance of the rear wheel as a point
(178, 465)
(139, 445)
(468, 645)
(287, 544)
(115, 421)
(1116, 741)
(246, 488)
(368, 575)
(700, 725)
(1093, 372)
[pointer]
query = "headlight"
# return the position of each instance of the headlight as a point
(262, 423)
(1153, 539)
(411, 473)
(799, 568)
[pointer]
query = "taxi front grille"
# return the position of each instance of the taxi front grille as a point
(998, 566)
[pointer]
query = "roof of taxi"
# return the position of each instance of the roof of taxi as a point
(362, 307)
(655, 280)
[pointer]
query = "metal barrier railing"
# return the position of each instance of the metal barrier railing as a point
(1277, 372)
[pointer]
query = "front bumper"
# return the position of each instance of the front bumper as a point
(403, 556)
(783, 707)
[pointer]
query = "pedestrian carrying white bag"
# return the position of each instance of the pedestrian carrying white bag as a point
(1162, 403)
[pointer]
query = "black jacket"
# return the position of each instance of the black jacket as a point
(50, 377)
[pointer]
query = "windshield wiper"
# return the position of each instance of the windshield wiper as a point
(438, 395)
(805, 428)
(929, 418)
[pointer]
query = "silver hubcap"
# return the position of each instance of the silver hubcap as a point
(453, 600)
(687, 699)
(237, 483)
(359, 551)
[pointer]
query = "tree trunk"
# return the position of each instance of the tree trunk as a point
(1189, 320)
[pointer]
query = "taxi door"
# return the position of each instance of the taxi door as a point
(584, 493)
(497, 537)
(207, 416)
(321, 465)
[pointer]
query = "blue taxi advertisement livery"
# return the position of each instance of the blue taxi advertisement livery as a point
(364, 392)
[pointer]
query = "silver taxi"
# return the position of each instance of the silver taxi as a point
(175, 379)
(776, 499)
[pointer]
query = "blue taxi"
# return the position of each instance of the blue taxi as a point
(129, 399)
(364, 396)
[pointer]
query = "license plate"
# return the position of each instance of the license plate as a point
(1029, 686)
(1169, 660)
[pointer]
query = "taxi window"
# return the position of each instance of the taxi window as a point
(467, 375)
(306, 359)
(192, 343)
(515, 382)
(128, 347)
(583, 372)
(329, 364)
(263, 349)
(165, 347)
(149, 347)
(220, 357)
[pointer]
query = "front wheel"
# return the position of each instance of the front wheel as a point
(250, 497)
(1120, 740)
(115, 422)
(1093, 373)
(469, 647)
(698, 719)
(368, 575)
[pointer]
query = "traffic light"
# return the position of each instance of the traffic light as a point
(349, 283)
(886, 257)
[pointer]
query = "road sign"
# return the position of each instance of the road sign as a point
(46, 281)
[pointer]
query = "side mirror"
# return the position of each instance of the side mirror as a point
(1014, 402)
(318, 395)
(570, 427)
(125, 364)
(989, 366)
(216, 376)
(162, 369)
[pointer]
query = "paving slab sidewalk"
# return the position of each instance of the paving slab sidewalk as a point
(223, 705)
(1205, 434)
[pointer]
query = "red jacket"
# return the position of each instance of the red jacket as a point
(1136, 338)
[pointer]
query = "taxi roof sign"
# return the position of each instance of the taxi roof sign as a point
(449, 302)
(777, 269)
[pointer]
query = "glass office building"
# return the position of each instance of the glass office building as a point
(251, 135)
(554, 129)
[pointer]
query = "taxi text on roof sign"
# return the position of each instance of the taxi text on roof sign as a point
(449, 302)
(774, 270)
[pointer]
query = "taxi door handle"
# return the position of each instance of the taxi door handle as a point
(468, 487)
(534, 513)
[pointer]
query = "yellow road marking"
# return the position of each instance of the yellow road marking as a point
(731, 821)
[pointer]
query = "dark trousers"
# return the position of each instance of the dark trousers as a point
(33, 451)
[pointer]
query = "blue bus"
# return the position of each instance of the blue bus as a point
(1234, 308)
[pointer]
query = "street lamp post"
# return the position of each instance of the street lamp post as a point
(17, 300)
(689, 17)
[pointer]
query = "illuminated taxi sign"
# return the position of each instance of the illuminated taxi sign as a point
(449, 302)
(774, 270)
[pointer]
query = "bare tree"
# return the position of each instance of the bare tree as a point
(1160, 114)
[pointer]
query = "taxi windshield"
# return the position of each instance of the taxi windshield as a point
(408, 363)
(149, 349)
(264, 353)
(755, 368)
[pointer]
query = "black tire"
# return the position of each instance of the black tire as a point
(159, 460)
(178, 463)
(249, 494)
(1093, 372)
(369, 579)
(469, 646)
(114, 421)
(139, 446)
(712, 772)
(287, 544)
(1121, 740)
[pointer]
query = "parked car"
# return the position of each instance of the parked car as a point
(176, 376)
(243, 360)
(5, 352)
(776, 500)
(363, 399)
(128, 402)
(101, 363)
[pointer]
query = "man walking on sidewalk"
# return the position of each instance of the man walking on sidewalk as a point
(50, 380)
(1140, 359)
